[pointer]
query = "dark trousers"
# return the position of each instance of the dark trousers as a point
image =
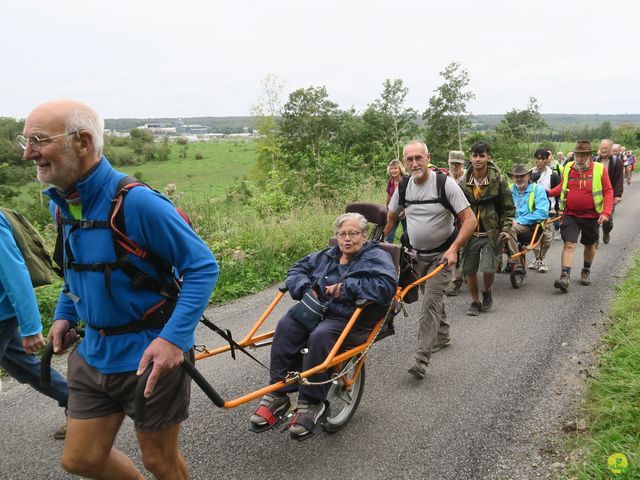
(26, 368)
(291, 337)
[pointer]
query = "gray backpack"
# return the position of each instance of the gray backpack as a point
(35, 254)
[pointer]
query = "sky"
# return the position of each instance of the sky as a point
(141, 58)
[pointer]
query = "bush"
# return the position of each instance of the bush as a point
(199, 156)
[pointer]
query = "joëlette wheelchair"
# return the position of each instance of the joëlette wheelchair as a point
(527, 241)
(346, 361)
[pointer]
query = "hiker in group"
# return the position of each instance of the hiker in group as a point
(335, 278)
(547, 179)
(140, 305)
(20, 324)
(586, 200)
(560, 158)
(457, 172)
(492, 204)
(432, 202)
(396, 172)
(627, 161)
(532, 208)
(615, 171)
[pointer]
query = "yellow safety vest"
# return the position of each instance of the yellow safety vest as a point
(596, 185)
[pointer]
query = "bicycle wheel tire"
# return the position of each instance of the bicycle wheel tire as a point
(344, 397)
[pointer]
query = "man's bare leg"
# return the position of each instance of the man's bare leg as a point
(567, 253)
(161, 455)
(472, 283)
(88, 449)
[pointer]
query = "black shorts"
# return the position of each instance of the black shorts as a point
(572, 226)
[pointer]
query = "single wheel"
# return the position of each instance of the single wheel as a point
(344, 397)
(516, 279)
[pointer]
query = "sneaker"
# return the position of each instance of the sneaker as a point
(562, 283)
(61, 433)
(585, 276)
(440, 343)
(556, 235)
(474, 309)
(270, 411)
(606, 236)
(487, 299)
(542, 267)
(453, 289)
(534, 265)
(307, 414)
(419, 370)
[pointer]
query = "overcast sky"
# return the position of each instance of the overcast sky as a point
(141, 58)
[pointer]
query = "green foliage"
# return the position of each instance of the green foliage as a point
(517, 133)
(447, 116)
(271, 199)
(47, 298)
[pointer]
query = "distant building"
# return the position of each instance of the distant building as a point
(158, 128)
(192, 129)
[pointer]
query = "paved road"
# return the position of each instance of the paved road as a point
(486, 407)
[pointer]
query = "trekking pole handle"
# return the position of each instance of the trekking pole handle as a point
(45, 365)
(190, 369)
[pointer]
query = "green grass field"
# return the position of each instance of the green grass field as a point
(224, 164)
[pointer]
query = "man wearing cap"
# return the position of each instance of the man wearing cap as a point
(615, 169)
(532, 207)
(456, 172)
(586, 200)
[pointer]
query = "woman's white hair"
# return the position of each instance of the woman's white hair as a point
(345, 217)
(83, 117)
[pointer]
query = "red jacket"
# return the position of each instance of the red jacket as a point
(579, 201)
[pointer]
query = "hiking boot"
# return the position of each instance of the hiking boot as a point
(585, 276)
(474, 309)
(270, 411)
(440, 343)
(606, 236)
(419, 370)
(307, 414)
(487, 299)
(562, 283)
(61, 433)
(453, 289)
(534, 265)
(542, 267)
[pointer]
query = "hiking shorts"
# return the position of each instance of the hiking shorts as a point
(93, 394)
(587, 228)
(479, 256)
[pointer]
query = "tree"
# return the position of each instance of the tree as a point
(388, 121)
(447, 115)
(518, 130)
(266, 113)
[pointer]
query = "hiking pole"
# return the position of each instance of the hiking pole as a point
(45, 362)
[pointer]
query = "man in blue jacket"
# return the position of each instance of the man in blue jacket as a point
(20, 325)
(532, 207)
(64, 139)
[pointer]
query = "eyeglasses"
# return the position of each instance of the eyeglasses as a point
(417, 158)
(343, 235)
(37, 143)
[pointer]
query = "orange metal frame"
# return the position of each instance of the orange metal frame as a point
(534, 243)
(334, 358)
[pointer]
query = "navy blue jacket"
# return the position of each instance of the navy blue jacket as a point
(370, 275)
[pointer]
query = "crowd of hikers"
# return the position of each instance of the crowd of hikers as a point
(139, 278)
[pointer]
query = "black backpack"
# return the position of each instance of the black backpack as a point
(124, 247)
(441, 179)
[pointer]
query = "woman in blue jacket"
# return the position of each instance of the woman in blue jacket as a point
(336, 277)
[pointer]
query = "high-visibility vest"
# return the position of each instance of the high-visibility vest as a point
(596, 185)
(532, 196)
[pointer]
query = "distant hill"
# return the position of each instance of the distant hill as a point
(563, 121)
(557, 121)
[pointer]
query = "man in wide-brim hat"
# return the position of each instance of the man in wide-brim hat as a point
(586, 201)
(532, 207)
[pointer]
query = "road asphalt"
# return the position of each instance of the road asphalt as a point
(491, 406)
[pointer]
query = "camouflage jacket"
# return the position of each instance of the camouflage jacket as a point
(494, 209)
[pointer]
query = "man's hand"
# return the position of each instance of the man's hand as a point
(165, 356)
(504, 236)
(62, 335)
(32, 343)
(451, 257)
(617, 200)
(603, 218)
(333, 290)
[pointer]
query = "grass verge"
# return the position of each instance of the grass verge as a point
(612, 405)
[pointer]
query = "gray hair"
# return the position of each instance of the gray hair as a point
(84, 118)
(415, 142)
(345, 217)
(608, 141)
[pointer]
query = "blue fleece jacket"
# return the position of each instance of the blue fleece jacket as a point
(16, 293)
(540, 205)
(370, 275)
(153, 223)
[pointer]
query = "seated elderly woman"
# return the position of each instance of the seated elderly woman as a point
(337, 277)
